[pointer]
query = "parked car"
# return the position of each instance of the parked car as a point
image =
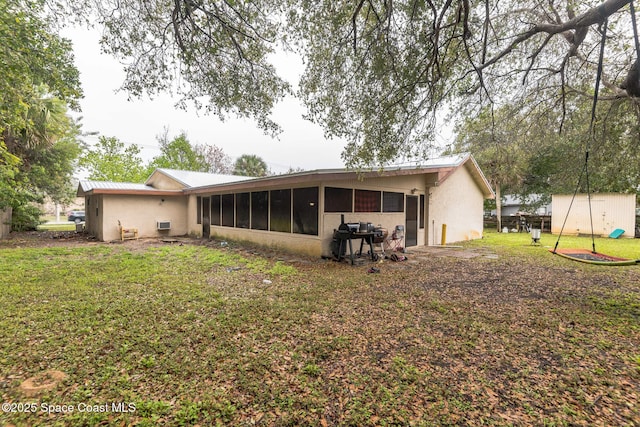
(76, 216)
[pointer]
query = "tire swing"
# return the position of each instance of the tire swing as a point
(585, 255)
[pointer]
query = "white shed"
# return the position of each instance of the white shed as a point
(609, 211)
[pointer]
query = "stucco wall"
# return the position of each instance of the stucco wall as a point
(388, 220)
(162, 182)
(609, 211)
(93, 221)
(193, 228)
(458, 203)
(291, 242)
(327, 222)
(141, 212)
(5, 222)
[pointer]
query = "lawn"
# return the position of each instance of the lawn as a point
(193, 334)
(50, 224)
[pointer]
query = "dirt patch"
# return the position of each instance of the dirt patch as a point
(42, 382)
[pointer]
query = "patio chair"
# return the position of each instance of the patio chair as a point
(395, 242)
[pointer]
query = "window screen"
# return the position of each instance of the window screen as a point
(216, 217)
(338, 199)
(305, 210)
(367, 201)
(242, 210)
(260, 210)
(227, 210)
(392, 202)
(280, 207)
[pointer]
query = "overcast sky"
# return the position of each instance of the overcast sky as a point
(107, 111)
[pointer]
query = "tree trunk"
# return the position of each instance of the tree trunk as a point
(498, 208)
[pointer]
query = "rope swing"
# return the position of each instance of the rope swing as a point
(593, 257)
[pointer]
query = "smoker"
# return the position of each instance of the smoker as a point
(340, 237)
(346, 232)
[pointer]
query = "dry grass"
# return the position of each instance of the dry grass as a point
(193, 334)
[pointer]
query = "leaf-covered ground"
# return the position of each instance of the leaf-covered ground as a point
(199, 334)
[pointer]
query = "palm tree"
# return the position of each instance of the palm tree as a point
(250, 165)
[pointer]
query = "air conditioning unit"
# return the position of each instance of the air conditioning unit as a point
(164, 225)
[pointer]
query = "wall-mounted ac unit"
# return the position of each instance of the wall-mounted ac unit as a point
(164, 225)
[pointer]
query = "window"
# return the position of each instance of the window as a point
(305, 211)
(242, 210)
(260, 210)
(392, 202)
(216, 216)
(227, 210)
(422, 210)
(199, 210)
(206, 210)
(367, 201)
(338, 199)
(280, 207)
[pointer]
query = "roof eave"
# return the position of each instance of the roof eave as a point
(314, 176)
(96, 191)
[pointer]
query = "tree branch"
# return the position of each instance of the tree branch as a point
(595, 15)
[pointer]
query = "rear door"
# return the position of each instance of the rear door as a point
(206, 217)
(411, 226)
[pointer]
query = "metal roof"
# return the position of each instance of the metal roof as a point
(442, 166)
(201, 182)
(453, 160)
(87, 186)
(201, 179)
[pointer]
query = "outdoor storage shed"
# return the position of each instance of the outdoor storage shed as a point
(608, 211)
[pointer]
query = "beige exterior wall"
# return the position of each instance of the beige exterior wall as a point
(609, 211)
(93, 221)
(458, 203)
(398, 184)
(299, 243)
(328, 222)
(141, 212)
(5, 222)
(194, 229)
(161, 181)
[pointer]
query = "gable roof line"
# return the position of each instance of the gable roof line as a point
(443, 170)
(192, 179)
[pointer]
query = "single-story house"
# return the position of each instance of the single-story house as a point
(299, 211)
(609, 211)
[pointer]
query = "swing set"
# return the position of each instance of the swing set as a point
(585, 255)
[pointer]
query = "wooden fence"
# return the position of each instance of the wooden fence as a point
(543, 222)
